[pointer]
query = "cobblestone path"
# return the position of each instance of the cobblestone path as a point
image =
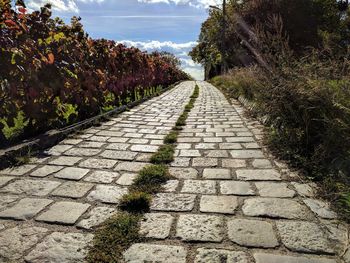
(49, 207)
(231, 202)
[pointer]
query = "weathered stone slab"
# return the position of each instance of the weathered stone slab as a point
(46, 170)
(252, 233)
(130, 166)
(189, 153)
(144, 148)
(234, 163)
(262, 163)
(156, 225)
(107, 194)
(127, 179)
(58, 149)
(216, 153)
(275, 208)
(205, 162)
(258, 175)
(20, 170)
(25, 209)
(98, 163)
(170, 186)
(236, 188)
(30, 187)
(218, 204)
(206, 255)
(72, 173)
(72, 190)
(304, 190)
(181, 162)
(119, 155)
(200, 228)
(173, 202)
(5, 179)
(155, 253)
(96, 217)
(65, 160)
(320, 208)
(66, 213)
(272, 258)
(105, 177)
(216, 173)
(61, 248)
(247, 154)
(183, 173)
(268, 189)
(199, 187)
(304, 237)
(5, 200)
(15, 241)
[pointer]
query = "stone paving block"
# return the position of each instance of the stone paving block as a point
(5, 179)
(63, 212)
(234, 163)
(105, 177)
(156, 225)
(183, 146)
(216, 153)
(117, 140)
(107, 194)
(240, 139)
(206, 255)
(205, 162)
(189, 153)
(199, 187)
(170, 186)
(205, 146)
(216, 173)
(83, 152)
(98, 163)
(98, 138)
(58, 149)
(173, 202)
(96, 217)
(218, 204)
(304, 237)
(183, 173)
(236, 188)
(200, 228)
(258, 175)
(15, 241)
(262, 163)
(268, 189)
(30, 187)
(20, 170)
(212, 139)
(252, 233)
(275, 208)
(6, 200)
(230, 146)
(251, 145)
(130, 166)
(46, 170)
(72, 173)
(119, 155)
(25, 209)
(72, 141)
(247, 154)
(144, 148)
(126, 179)
(65, 160)
(155, 253)
(138, 141)
(72, 189)
(305, 190)
(61, 248)
(273, 258)
(181, 162)
(87, 144)
(320, 208)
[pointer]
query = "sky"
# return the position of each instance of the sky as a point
(163, 25)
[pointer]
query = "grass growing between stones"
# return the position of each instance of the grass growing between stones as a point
(119, 232)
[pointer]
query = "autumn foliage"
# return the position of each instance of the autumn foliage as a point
(52, 74)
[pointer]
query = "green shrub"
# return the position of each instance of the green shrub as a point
(171, 138)
(151, 178)
(164, 155)
(135, 202)
(113, 238)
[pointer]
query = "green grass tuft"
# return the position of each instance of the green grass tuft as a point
(113, 238)
(135, 202)
(164, 155)
(171, 138)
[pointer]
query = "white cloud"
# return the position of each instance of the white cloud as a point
(60, 5)
(178, 49)
(194, 3)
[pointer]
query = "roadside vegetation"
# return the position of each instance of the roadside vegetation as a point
(119, 232)
(53, 74)
(291, 59)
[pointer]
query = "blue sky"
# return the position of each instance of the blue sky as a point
(167, 25)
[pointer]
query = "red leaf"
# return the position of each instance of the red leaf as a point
(10, 23)
(51, 58)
